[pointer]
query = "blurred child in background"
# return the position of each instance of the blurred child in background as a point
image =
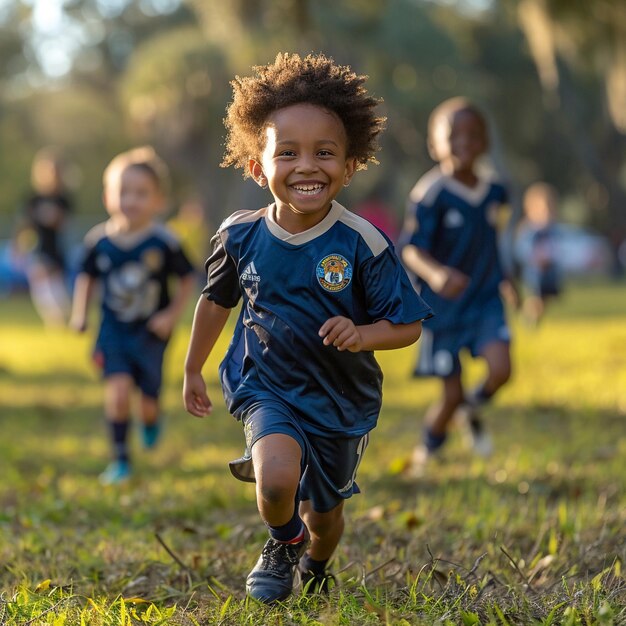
(40, 237)
(451, 239)
(322, 289)
(133, 257)
(536, 250)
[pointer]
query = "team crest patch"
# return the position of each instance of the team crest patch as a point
(334, 272)
(152, 260)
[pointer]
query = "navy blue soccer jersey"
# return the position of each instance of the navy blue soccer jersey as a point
(290, 285)
(456, 225)
(134, 271)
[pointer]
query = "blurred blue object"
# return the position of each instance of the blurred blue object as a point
(576, 250)
(12, 270)
(580, 251)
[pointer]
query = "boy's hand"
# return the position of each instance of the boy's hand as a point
(342, 333)
(510, 294)
(195, 397)
(79, 324)
(161, 324)
(449, 282)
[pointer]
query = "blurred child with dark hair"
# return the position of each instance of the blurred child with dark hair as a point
(451, 245)
(133, 257)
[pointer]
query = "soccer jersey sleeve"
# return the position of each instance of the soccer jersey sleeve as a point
(178, 263)
(89, 254)
(389, 293)
(87, 263)
(426, 223)
(222, 279)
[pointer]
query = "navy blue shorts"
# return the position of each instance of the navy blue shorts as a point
(329, 464)
(439, 351)
(136, 352)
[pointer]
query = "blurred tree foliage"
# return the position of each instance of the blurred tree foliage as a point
(549, 73)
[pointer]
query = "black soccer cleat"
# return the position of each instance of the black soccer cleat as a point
(272, 577)
(316, 583)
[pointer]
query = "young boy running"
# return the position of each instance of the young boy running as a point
(133, 257)
(451, 235)
(322, 289)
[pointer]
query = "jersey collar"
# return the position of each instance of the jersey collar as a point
(126, 241)
(472, 195)
(336, 210)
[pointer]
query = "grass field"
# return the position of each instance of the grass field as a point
(534, 535)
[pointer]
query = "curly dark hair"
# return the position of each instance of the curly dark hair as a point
(290, 80)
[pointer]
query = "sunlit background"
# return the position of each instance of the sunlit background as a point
(534, 534)
(93, 77)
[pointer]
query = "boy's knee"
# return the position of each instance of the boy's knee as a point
(502, 374)
(117, 397)
(276, 487)
(118, 408)
(453, 395)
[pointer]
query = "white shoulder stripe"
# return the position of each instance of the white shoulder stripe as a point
(168, 235)
(243, 217)
(371, 235)
(97, 232)
(428, 187)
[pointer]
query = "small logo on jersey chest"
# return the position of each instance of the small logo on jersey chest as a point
(152, 259)
(103, 263)
(249, 274)
(453, 218)
(334, 272)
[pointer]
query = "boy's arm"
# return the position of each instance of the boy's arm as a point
(163, 322)
(442, 279)
(342, 333)
(83, 290)
(208, 322)
(383, 335)
(508, 287)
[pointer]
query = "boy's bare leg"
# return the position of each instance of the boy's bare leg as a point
(498, 357)
(436, 422)
(117, 394)
(276, 460)
(440, 414)
(326, 530)
(149, 409)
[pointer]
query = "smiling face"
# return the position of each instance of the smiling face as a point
(133, 198)
(304, 163)
(458, 140)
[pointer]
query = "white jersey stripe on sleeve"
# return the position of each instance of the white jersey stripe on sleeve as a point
(371, 235)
